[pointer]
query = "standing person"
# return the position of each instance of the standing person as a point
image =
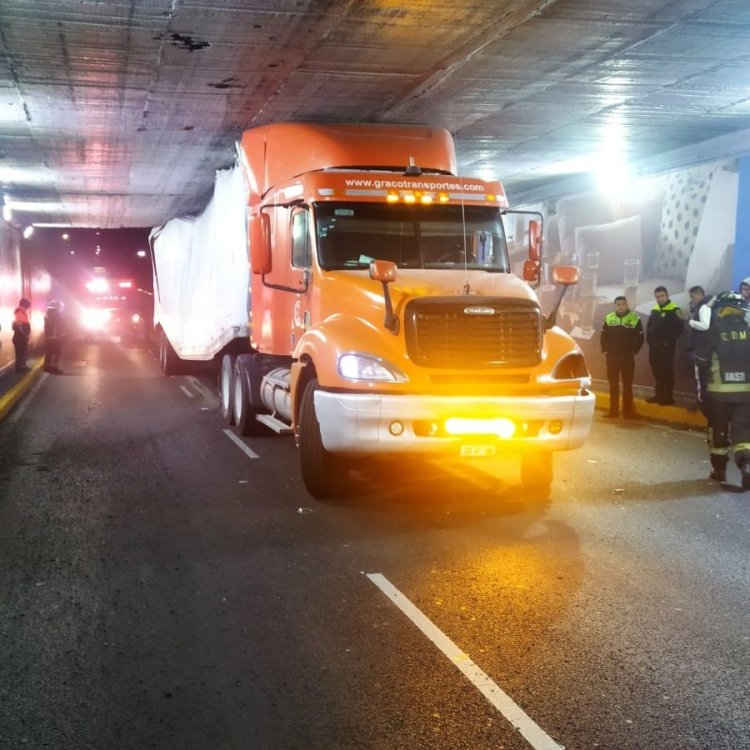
(21, 334)
(729, 388)
(53, 337)
(663, 329)
(700, 319)
(745, 289)
(621, 339)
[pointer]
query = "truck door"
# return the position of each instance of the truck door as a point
(301, 260)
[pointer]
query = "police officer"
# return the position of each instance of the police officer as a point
(663, 329)
(21, 334)
(621, 339)
(729, 388)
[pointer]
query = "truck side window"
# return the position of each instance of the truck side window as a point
(300, 240)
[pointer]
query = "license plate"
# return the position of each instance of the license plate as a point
(477, 450)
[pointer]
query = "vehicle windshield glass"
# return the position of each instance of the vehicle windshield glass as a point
(351, 235)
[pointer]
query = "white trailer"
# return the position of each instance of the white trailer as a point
(202, 278)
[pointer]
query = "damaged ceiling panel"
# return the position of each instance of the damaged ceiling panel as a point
(116, 114)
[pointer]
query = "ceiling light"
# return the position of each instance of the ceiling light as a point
(28, 231)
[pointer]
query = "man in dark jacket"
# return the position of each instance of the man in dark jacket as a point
(21, 334)
(621, 339)
(664, 328)
(700, 320)
(729, 388)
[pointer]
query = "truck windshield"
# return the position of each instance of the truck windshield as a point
(351, 235)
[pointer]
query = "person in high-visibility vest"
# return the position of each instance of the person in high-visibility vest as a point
(621, 339)
(21, 334)
(728, 388)
(665, 324)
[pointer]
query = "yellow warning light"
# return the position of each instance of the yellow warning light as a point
(443, 197)
(392, 198)
(490, 197)
(503, 428)
(410, 198)
(427, 199)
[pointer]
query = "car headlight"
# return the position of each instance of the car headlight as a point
(355, 366)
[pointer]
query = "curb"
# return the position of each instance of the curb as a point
(11, 397)
(675, 415)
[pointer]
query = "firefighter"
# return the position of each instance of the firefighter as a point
(728, 388)
(21, 334)
(621, 339)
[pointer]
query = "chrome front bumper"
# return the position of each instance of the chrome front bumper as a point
(362, 423)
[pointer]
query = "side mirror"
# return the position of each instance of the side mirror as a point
(531, 270)
(565, 275)
(383, 271)
(535, 240)
(259, 233)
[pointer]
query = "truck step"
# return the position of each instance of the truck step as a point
(282, 428)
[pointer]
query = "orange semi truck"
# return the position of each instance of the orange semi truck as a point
(381, 315)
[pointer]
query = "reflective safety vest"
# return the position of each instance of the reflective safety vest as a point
(664, 324)
(622, 335)
(21, 326)
(730, 359)
(629, 320)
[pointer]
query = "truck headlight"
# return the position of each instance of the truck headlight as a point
(355, 366)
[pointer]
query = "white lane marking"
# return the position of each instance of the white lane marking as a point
(205, 392)
(534, 734)
(26, 400)
(251, 453)
(187, 391)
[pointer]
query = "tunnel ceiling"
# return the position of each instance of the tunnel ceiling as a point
(116, 114)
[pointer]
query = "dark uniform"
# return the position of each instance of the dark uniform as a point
(729, 388)
(53, 335)
(664, 328)
(621, 339)
(21, 334)
(702, 316)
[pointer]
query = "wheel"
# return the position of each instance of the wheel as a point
(536, 472)
(226, 388)
(242, 411)
(324, 475)
(168, 360)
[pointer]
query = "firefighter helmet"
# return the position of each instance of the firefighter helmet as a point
(731, 300)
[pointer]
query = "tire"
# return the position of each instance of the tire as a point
(324, 475)
(226, 388)
(243, 413)
(169, 362)
(537, 471)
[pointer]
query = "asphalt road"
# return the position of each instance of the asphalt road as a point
(162, 588)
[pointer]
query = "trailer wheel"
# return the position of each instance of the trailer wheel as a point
(242, 411)
(536, 472)
(226, 388)
(324, 474)
(169, 362)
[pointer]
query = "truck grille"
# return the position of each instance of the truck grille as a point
(469, 332)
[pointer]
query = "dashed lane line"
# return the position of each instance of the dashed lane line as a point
(532, 732)
(205, 392)
(238, 442)
(187, 391)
